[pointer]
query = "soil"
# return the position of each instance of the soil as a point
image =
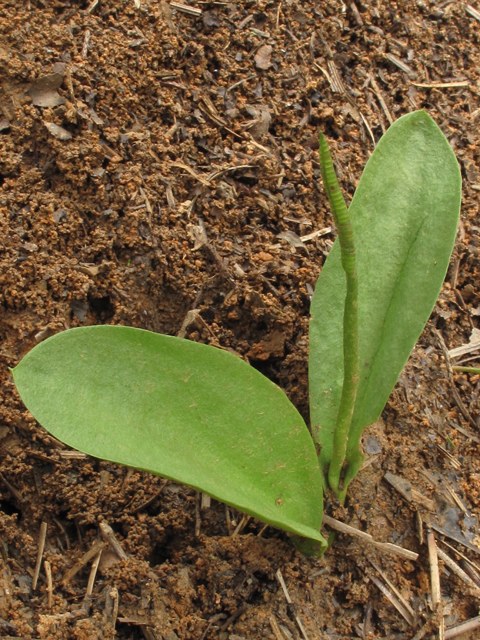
(149, 159)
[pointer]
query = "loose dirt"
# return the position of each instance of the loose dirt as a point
(150, 158)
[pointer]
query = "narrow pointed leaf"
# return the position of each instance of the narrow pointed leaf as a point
(405, 214)
(183, 410)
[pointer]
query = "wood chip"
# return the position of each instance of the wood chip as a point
(263, 57)
(58, 132)
(405, 489)
(292, 239)
(43, 91)
(316, 234)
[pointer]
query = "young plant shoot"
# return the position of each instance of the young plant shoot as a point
(203, 417)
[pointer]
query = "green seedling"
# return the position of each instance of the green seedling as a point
(203, 417)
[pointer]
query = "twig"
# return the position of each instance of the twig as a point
(387, 547)
(93, 573)
(240, 82)
(41, 546)
(367, 620)
(419, 523)
(434, 571)
(64, 531)
(394, 600)
(280, 579)
(185, 8)
(454, 462)
(368, 128)
(441, 85)
(453, 566)
(276, 629)
(236, 614)
(406, 606)
(111, 607)
(92, 6)
(155, 495)
(455, 393)
(228, 520)
(206, 501)
(234, 168)
(316, 234)
(97, 546)
(460, 555)
(406, 490)
(241, 525)
(48, 573)
(15, 492)
(107, 532)
(453, 536)
(86, 42)
(380, 99)
(400, 64)
(198, 518)
(464, 627)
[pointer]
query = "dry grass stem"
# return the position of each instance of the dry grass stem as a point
(108, 534)
(393, 599)
(396, 592)
(461, 629)
(276, 629)
(387, 547)
(48, 574)
(434, 570)
(289, 600)
(93, 574)
(383, 104)
(453, 566)
(241, 525)
(186, 8)
(97, 546)
(41, 546)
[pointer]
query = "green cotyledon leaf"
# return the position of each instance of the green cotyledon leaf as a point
(404, 214)
(182, 410)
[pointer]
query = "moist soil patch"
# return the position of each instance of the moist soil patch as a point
(159, 169)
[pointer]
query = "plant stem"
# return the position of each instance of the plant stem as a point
(350, 318)
(466, 369)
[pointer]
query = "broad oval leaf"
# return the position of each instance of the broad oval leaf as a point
(186, 411)
(404, 214)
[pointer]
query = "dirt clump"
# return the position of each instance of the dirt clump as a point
(157, 160)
